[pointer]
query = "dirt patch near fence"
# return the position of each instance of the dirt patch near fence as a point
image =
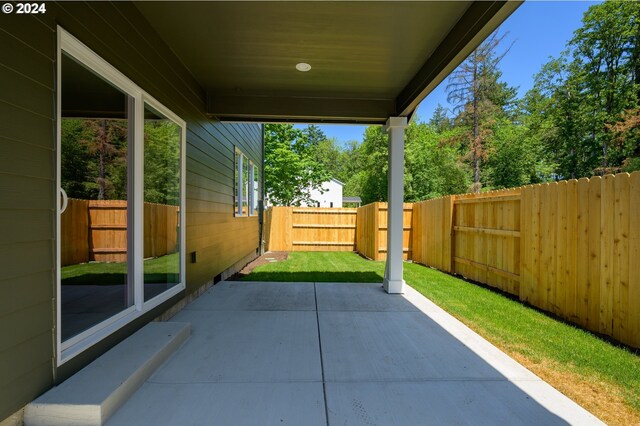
(270, 257)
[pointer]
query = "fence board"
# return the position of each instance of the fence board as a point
(593, 283)
(583, 253)
(312, 229)
(620, 259)
(108, 230)
(96, 230)
(432, 225)
(382, 231)
(74, 232)
(486, 232)
(571, 248)
(634, 255)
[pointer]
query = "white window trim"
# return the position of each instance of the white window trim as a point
(237, 208)
(77, 344)
(254, 174)
(250, 176)
(245, 185)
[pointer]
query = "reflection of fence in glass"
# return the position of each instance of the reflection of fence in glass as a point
(93, 230)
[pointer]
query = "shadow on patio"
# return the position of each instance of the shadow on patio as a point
(335, 353)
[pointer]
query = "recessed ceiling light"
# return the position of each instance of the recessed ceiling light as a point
(303, 66)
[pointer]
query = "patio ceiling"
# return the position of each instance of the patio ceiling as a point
(370, 60)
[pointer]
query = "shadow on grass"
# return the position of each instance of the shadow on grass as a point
(314, 276)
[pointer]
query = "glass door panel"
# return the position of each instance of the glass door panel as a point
(162, 209)
(96, 127)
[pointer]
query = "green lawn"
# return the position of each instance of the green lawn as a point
(519, 330)
(161, 269)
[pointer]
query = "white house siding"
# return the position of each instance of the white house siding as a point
(330, 197)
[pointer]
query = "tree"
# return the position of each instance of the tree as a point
(75, 159)
(440, 120)
(94, 158)
(432, 166)
(374, 164)
(605, 50)
(627, 136)
(516, 158)
(579, 97)
(107, 141)
(475, 91)
(162, 162)
(313, 135)
(291, 169)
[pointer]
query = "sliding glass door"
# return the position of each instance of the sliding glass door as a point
(121, 187)
(96, 130)
(162, 147)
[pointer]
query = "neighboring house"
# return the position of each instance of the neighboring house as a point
(130, 149)
(329, 196)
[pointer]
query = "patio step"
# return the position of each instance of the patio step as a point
(93, 394)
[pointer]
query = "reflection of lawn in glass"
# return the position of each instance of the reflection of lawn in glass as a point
(163, 269)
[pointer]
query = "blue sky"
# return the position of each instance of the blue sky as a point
(540, 30)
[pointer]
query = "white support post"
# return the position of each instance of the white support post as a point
(393, 282)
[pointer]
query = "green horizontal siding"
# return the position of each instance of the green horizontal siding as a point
(118, 33)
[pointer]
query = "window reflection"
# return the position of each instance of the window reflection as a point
(95, 129)
(162, 144)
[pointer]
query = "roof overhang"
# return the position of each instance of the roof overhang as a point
(370, 60)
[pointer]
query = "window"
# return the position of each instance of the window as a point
(254, 189)
(241, 184)
(238, 182)
(121, 219)
(246, 186)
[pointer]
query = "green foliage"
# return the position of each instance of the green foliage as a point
(579, 97)
(516, 158)
(162, 162)
(94, 158)
(432, 166)
(374, 154)
(291, 166)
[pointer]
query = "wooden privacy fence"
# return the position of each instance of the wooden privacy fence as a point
(96, 230)
(310, 229)
(371, 232)
(571, 247)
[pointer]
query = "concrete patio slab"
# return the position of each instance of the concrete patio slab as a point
(380, 359)
(239, 295)
(246, 346)
(368, 297)
(397, 346)
(450, 403)
(224, 404)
